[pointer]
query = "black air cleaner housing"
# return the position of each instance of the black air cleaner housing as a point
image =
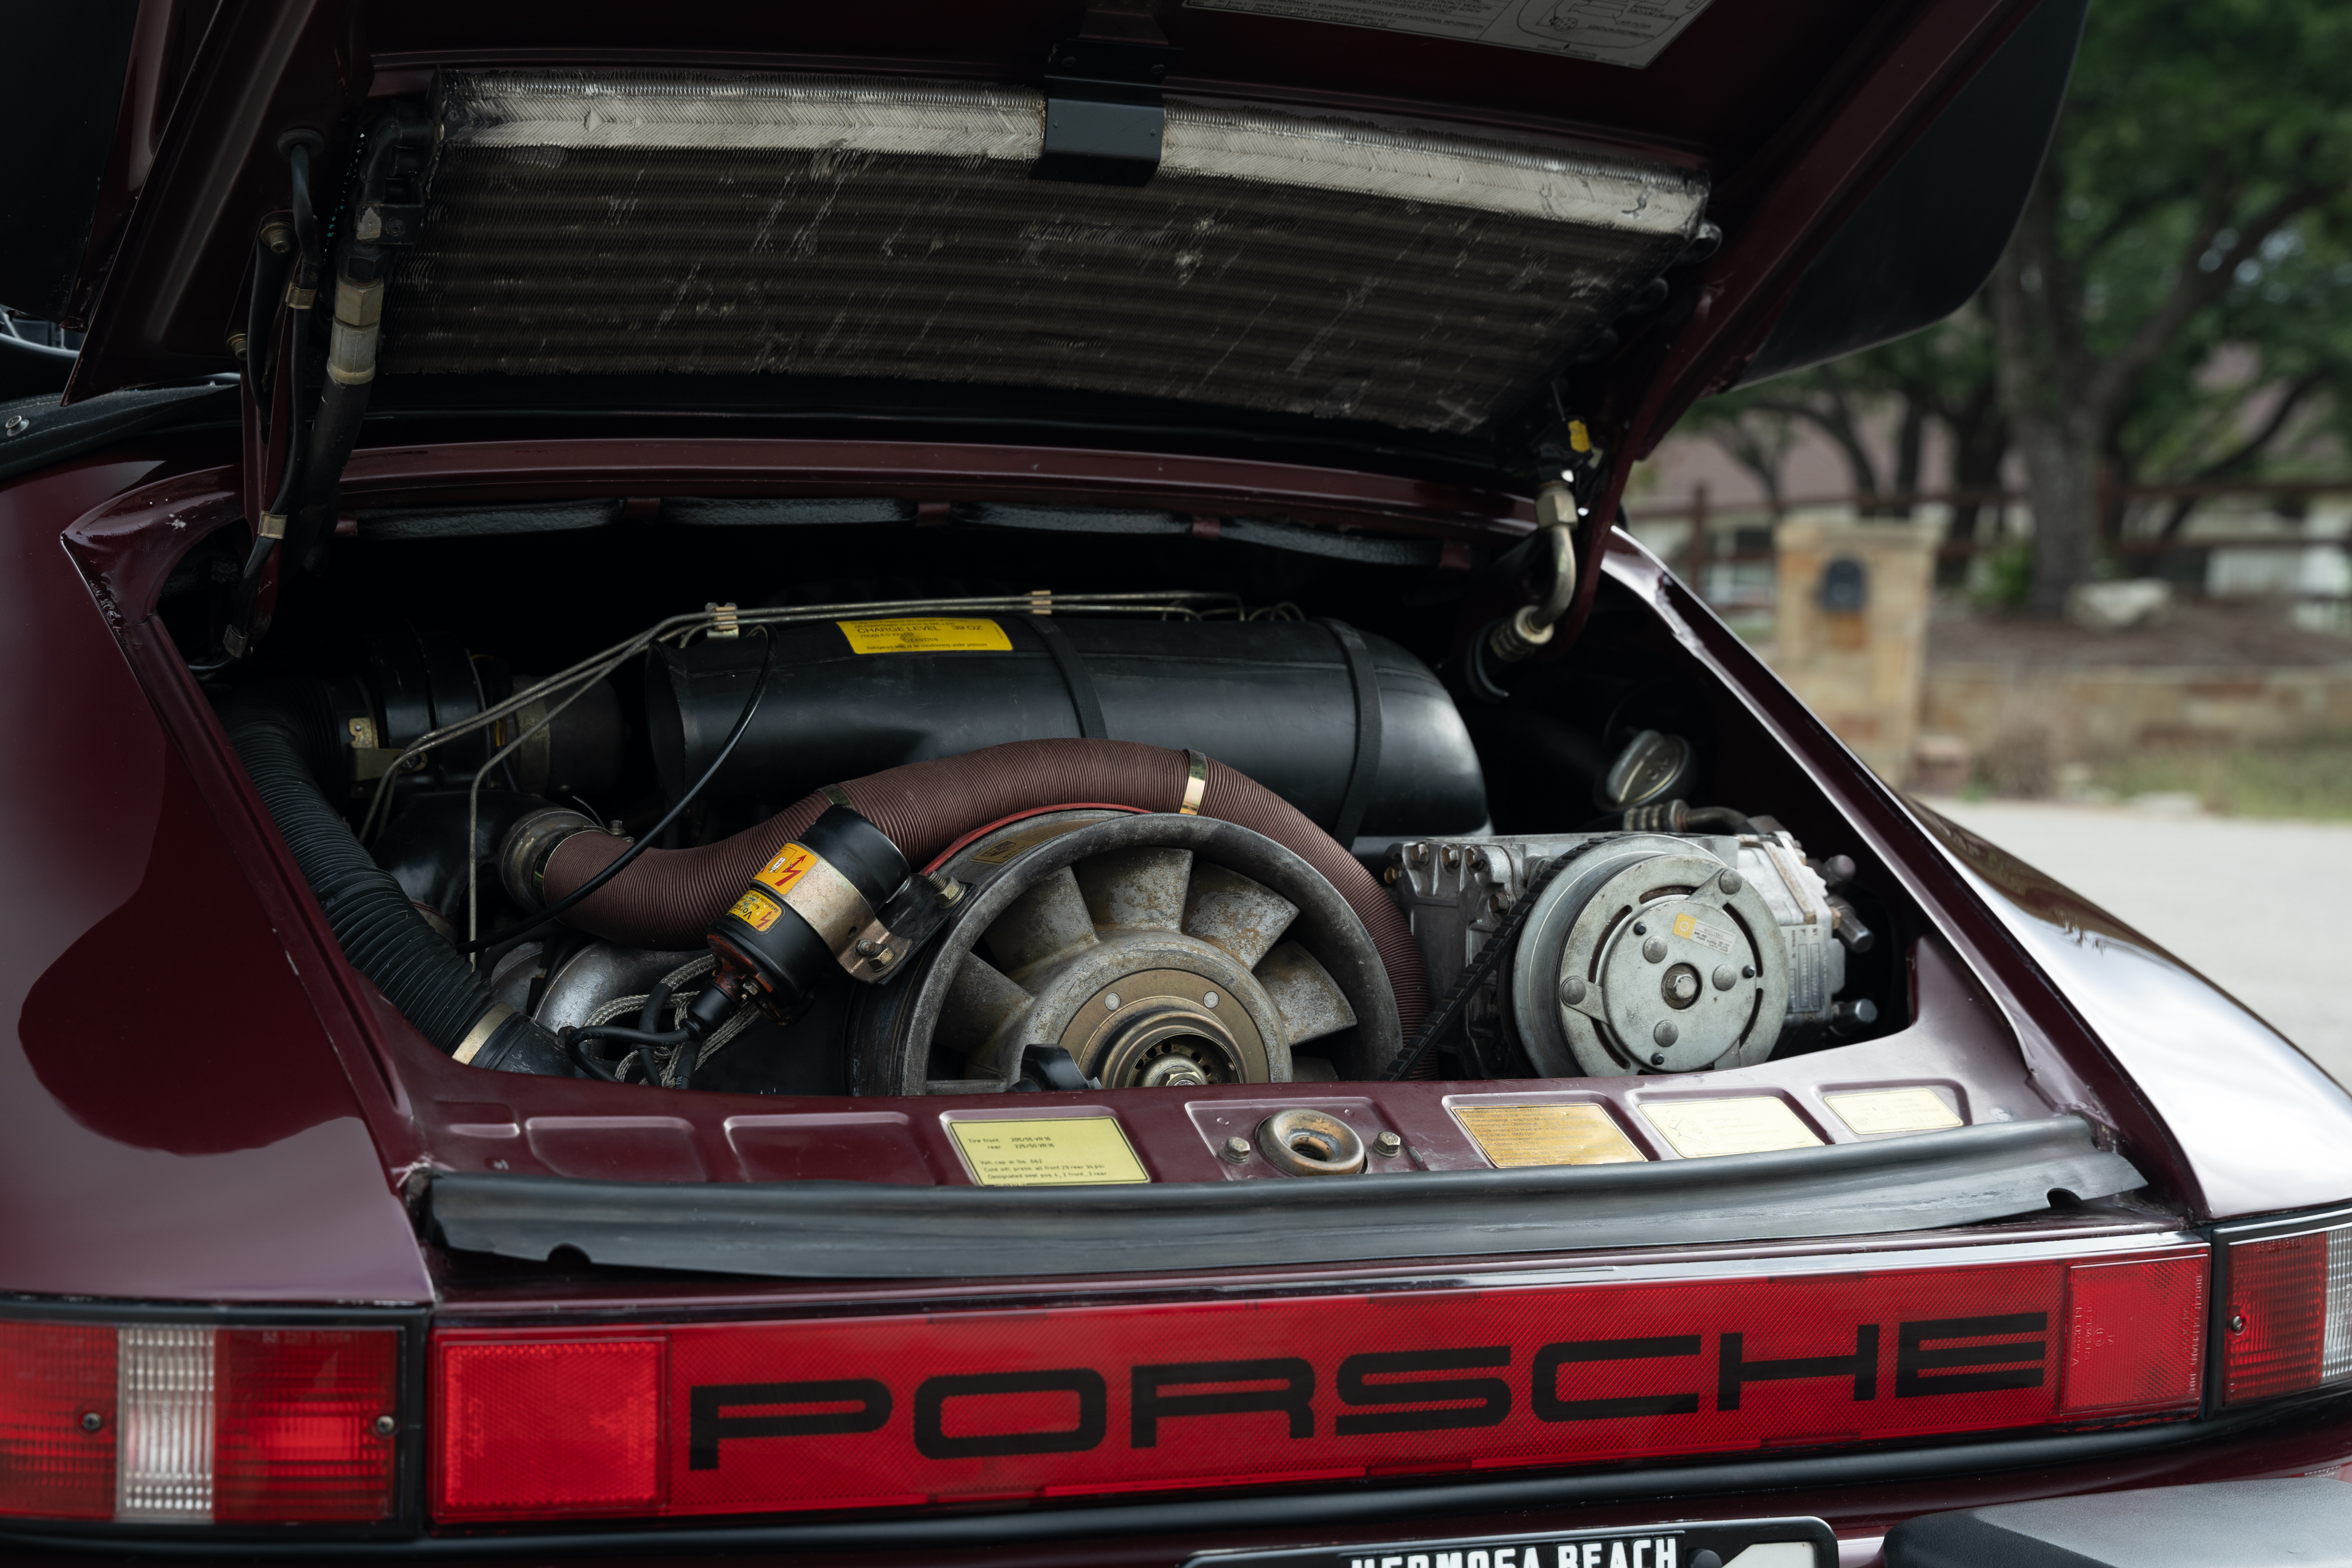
(1275, 699)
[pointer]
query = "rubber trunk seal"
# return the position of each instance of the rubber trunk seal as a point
(867, 1230)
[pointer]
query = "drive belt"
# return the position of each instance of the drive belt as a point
(1075, 675)
(1366, 679)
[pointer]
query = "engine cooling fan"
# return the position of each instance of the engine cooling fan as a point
(1160, 951)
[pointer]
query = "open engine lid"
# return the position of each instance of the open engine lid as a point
(1366, 217)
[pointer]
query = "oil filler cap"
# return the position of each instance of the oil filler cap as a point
(1305, 1142)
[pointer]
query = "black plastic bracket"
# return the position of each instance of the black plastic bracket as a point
(1049, 1068)
(1105, 117)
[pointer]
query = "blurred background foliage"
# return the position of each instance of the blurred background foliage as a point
(2175, 305)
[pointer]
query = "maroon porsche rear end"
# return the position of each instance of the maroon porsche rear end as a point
(852, 784)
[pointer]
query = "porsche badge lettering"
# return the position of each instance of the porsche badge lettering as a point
(1100, 1398)
(1064, 1403)
(1378, 1392)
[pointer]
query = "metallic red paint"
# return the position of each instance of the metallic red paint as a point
(127, 547)
(295, 1205)
(2261, 1128)
(176, 1128)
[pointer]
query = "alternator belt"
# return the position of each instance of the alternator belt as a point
(1076, 676)
(1357, 797)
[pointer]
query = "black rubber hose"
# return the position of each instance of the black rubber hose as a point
(270, 269)
(310, 516)
(283, 733)
(306, 277)
(652, 834)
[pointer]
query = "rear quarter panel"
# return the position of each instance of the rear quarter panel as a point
(174, 1122)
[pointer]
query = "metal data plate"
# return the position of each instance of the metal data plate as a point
(1712, 1544)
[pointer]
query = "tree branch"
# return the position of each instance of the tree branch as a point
(2192, 290)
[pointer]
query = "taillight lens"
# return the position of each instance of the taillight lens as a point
(893, 1410)
(298, 1427)
(567, 1425)
(172, 1424)
(56, 1420)
(2288, 1323)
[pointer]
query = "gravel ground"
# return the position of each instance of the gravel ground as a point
(2212, 891)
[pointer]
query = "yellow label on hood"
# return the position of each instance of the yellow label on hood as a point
(924, 635)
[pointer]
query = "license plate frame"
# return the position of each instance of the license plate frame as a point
(1730, 1540)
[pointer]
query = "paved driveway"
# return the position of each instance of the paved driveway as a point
(2260, 908)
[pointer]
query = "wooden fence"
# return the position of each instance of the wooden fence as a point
(2139, 551)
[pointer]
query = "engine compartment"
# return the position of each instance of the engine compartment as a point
(1268, 828)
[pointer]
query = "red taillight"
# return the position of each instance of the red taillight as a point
(295, 1434)
(56, 1420)
(176, 1424)
(873, 1411)
(2136, 1335)
(2287, 1323)
(535, 1428)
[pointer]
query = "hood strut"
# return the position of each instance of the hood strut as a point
(297, 523)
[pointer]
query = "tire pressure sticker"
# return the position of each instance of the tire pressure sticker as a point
(1691, 929)
(1580, 1134)
(1874, 1112)
(925, 636)
(1750, 1124)
(1046, 1151)
(757, 910)
(1620, 32)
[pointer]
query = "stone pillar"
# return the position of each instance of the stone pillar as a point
(1850, 631)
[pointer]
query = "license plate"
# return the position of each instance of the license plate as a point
(1727, 1543)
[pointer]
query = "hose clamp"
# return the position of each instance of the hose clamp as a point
(1196, 786)
(530, 844)
(479, 1034)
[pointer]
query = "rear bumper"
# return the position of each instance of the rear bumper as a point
(2247, 1524)
(1863, 1496)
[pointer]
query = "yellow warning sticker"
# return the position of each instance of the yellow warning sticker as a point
(1546, 1136)
(1057, 1151)
(925, 635)
(1870, 1112)
(792, 863)
(1752, 1125)
(756, 910)
(1018, 844)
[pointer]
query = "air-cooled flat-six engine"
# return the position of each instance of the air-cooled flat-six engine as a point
(1115, 849)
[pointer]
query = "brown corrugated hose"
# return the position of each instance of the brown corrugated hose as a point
(670, 896)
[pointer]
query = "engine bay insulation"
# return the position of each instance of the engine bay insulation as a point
(670, 223)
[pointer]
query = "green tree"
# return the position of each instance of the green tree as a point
(2202, 165)
(1877, 408)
